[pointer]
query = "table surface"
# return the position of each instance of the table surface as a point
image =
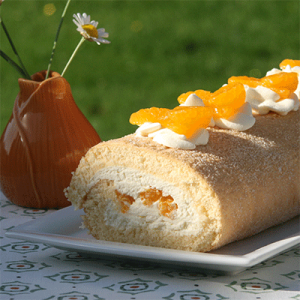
(38, 271)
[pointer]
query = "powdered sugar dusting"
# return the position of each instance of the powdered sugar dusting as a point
(229, 150)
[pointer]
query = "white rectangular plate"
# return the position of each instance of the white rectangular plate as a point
(61, 229)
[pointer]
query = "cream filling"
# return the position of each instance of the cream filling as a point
(132, 182)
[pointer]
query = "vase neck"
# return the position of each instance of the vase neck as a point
(41, 76)
(27, 87)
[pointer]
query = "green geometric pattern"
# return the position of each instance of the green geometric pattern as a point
(36, 271)
(255, 285)
(135, 286)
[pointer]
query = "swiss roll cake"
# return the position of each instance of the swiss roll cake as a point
(193, 188)
(134, 190)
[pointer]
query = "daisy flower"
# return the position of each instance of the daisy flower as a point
(88, 29)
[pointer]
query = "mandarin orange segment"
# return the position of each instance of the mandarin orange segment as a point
(153, 114)
(182, 98)
(282, 80)
(203, 94)
(188, 120)
(232, 95)
(250, 81)
(228, 98)
(200, 93)
(182, 119)
(291, 62)
(225, 112)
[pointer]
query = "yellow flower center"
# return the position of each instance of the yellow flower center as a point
(91, 30)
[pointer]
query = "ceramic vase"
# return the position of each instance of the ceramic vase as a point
(43, 142)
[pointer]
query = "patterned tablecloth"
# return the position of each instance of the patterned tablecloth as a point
(37, 271)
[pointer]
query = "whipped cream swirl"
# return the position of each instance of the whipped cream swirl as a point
(263, 100)
(169, 138)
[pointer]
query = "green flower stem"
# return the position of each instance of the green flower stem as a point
(71, 58)
(16, 66)
(56, 38)
(24, 71)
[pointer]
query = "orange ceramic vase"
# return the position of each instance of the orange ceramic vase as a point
(43, 143)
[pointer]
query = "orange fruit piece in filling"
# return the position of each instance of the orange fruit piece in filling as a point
(124, 200)
(291, 62)
(185, 120)
(150, 196)
(166, 204)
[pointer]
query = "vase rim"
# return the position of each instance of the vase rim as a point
(40, 76)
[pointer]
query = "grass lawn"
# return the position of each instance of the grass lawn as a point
(159, 49)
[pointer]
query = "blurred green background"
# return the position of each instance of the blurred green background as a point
(158, 50)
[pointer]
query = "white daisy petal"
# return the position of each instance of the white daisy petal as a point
(103, 41)
(76, 23)
(79, 18)
(102, 33)
(89, 32)
(86, 18)
(94, 23)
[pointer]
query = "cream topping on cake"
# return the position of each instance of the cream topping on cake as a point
(231, 107)
(263, 100)
(240, 121)
(193, 100)
(169, 138)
